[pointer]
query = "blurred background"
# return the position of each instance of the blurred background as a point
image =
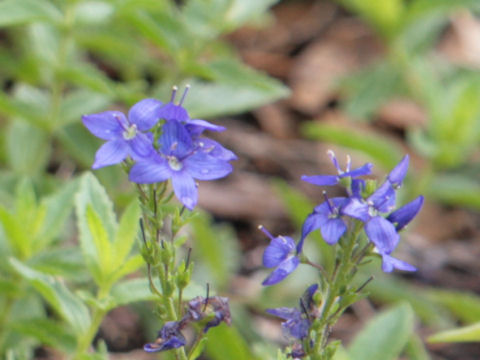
(289, 79)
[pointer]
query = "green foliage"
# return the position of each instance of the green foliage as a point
(469, 333)
(385, 336)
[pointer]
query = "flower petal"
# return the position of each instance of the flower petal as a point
(110, 153)
(398, 172)
(205, 167)
(196, 126)
(282, 271)
(284, 312)
(141, 145)
(389, 263)
(150, 171)
(332, 230)
(213, 148)
(382, 233)
(357, 209)
(402, 216)
(362, 170)
(175, 140)
(171, 111)
(105, 125)
(185, 189)
(313, 222)
(321, 180)
(384, 198)
(144, 113)
(277, 251)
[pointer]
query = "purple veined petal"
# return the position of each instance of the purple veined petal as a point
(363, 170)
(384, 198)
(278, 250)
(196, 126)
(205, 167)
(332, 230)
(150, 171)
(402, 216)
(214, 149)
(390, 263)
(110, 153)
(357, 209)
(284, 312)
(398, 173)
(141, 145)
(382, 233)
(185, 189)
(175, 140)
(313, 222)
(105, 125)
(282, 271)
(144, 113)
(321, 180)
(171, 111)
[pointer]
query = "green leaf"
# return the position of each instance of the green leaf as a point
(92, 195)
(66, 304)
(130, 266)
(80, 102)
(17, 12)
(64, 262)
(226, 343)
(126, 233)
(103, 247)
(130, 291)
(16, 234)
(47, 332)
(464, 305)
(235, 88)
(464, 334)
(80, 144)
(385, 336)
(384, 152)
(216, 247)
(28, 148)
(455, 189)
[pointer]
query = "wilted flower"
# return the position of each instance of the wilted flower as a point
(215, 308)
(169, 337)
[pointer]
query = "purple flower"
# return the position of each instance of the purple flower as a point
(125, 136)
(327, 180)
(281, 255)
(180, 161)
(396, 176)
(297, 322)
(327, 218)
(390, 263)
(402, 216)
(169, 337)
(215, 308)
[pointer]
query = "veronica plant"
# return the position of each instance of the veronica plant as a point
(363, 224)
(158, 145)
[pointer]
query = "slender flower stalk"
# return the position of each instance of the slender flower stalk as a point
(165, 153)
(362, 225)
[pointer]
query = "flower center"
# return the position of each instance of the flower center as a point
(174, 163)
(130, 132)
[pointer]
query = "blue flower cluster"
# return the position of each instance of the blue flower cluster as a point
(164, 143)
(376, 210)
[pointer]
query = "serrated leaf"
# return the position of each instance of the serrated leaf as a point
(126, 233)
(92, 195)
(17, 12)
(129, 266)
(15, 233)
(103, 247)
(464, 334)
(64, 262)
(66, 304)
(385, 336)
